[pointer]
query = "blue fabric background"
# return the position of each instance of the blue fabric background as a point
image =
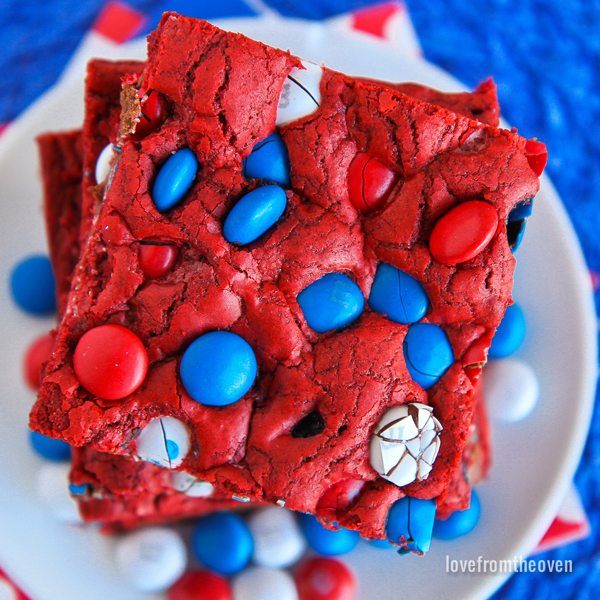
(545, 57)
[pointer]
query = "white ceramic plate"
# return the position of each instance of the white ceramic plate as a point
(534, 461)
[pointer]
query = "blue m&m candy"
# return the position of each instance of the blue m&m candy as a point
(412, 519)
(269, 160)
(427, 353)
(398, 295)
(222, 542)
(253, 214)
(50, 448)
(33, 287)
(331, 302)
(381, 544)
(218, 368)
(80, 489)
(174, 179)
(325, 541)
(516, 222)
(510, 333)
(459, 522)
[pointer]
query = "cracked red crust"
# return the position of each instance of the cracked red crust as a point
(443, 159)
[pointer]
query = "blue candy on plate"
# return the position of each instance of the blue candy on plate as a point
(50, 448)
(460, 522)
(381, 544)
(331, 302)
(218, 368)
(174, 179)
(397, 295)
(325, 541)
(33, 287)
(269, 160)
(410, 523)
(222, 542)
(510, 333)
(254, 214)
(427, 352)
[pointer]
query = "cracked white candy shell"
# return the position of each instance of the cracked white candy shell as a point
(164, 441)
(300, 95)
(401, 451)
(430, 453)
(424, 470)
(391, 454)
(190, 486)
(405, 429)
(405, 472)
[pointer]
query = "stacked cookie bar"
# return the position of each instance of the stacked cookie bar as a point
(288, 330)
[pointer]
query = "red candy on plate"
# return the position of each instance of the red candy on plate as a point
(110, 361)
(156, 258)
(37, 354)
(339, 497)
(324, 579)
(463, 232)
(200, 585)
(369, 183)
(537, 156)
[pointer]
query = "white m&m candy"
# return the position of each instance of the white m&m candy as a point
(151, 559)
(301, 93)
(164, 442)
(259, 583)
(190, 486)
(511, 389)
(278, 541)
(103, 163)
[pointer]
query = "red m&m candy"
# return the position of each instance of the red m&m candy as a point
(537, 156)
(156, 258)
(369, 183)
(339, 497)
(325, 579)
(476, 355)
(37, 354)
(200, 585)
(152, 115)
(110, 362)
(463, 232)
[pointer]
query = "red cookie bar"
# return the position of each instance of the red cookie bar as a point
(213, 83)
(122, 494)
(61, 170)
